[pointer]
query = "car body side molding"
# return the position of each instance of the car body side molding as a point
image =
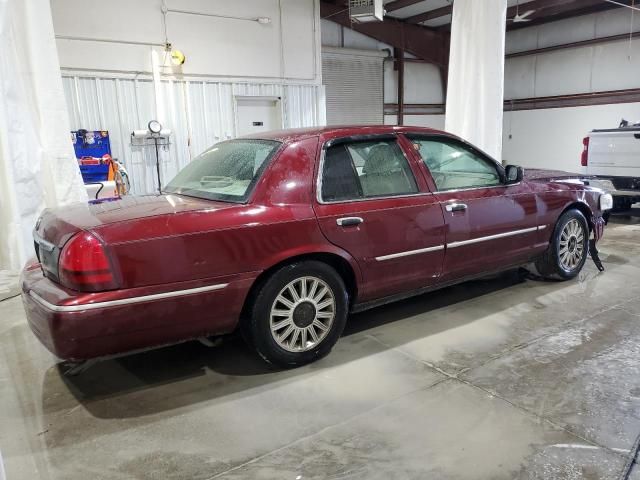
(494, 237)
(123, 301)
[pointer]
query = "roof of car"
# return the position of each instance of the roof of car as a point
(295, 134)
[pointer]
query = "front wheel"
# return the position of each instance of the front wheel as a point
(298, 314)
(568, 249)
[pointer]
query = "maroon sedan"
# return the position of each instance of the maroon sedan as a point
(282, 235)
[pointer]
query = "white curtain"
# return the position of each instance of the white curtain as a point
(37, 163)
(476, 73)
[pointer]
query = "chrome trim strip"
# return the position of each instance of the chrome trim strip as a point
(48, 246)
(123, 301)
(541, 227)
(491, 237)
(410, 252)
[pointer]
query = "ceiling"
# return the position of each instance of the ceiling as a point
(436, 14)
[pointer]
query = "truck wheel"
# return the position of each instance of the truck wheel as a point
(568, 249)
(297, 314)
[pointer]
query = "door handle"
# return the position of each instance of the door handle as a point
(455, 207)
(349, 221)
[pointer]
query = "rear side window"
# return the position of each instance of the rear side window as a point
(365, 169)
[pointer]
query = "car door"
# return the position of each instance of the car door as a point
(489, 224)
(373, 202)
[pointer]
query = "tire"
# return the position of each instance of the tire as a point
(568, 249)
(289, 332)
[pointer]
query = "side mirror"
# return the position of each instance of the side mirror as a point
(513, 174)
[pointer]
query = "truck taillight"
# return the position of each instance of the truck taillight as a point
(585, 152)
(84, 265)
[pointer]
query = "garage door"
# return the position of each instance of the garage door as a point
(354, 86)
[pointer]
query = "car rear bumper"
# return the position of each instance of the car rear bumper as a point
(79, 326)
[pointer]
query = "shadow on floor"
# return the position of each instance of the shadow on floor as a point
(189, 373)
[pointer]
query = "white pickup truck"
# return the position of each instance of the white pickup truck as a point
(613, 156)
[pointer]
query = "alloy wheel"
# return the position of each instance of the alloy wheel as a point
(571, 246)
(302, 314)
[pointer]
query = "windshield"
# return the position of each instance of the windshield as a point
(227, 171)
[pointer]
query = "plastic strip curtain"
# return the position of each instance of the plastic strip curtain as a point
(476, 73)
(37, 162)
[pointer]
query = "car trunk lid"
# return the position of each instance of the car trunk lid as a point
(56, 226)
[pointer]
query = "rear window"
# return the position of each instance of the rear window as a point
(227, 171)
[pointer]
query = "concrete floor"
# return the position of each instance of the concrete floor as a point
(501, 378)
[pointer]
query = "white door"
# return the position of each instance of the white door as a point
(257, 115)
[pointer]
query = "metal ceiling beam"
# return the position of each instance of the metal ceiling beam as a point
(550, 9)
(511, 11)
(398, 4)
(553, 10)
(422, 42)
(430, 15)
(578, 44)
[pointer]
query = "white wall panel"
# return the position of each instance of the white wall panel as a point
(616, 66)
(298, 34)
(331, 34)
(552, 138)
(566, 31)
(199, 113)
(353, 39)
(225, 41)
(563, 72)
(585, 27)
(429, 121)
(222, 46)
(422, 83)
(519, 77)
(141, 20)
(615, 22)
(92, 55)
(521, 40)
(304, 106)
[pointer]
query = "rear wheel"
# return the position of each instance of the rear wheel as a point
(567, 252)
(297, 314)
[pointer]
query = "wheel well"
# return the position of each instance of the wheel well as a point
(337, 262)
(584, 209)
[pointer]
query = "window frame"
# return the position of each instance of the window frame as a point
(364, 138)
(447, 139)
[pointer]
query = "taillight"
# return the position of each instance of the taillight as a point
(585, 152)
(84, 265)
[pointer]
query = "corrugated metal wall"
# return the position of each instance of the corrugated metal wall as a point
(199, 113)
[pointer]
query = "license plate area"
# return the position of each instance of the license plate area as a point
(48, 255)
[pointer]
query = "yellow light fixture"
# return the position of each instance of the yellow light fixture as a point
(177, 57)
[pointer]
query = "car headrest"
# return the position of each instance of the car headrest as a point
(381, 159)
